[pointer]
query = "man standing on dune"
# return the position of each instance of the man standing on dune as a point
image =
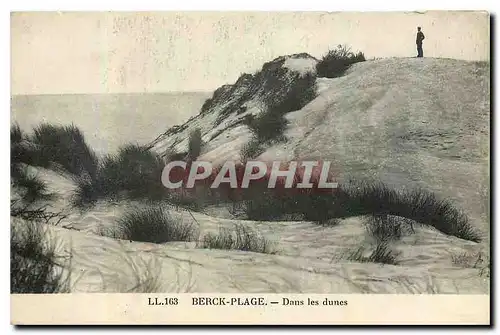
(420, 38)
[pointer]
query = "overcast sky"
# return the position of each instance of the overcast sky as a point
(54, 53)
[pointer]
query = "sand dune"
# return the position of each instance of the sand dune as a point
(406, 122)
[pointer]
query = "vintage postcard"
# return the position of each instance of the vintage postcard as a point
(250, 168)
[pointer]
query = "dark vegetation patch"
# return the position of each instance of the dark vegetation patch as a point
(34, 265)
(365, 198)
(155, 225)
(63, 147)
(195, 144)
(337, 61)
(272, 82)
(133, 173)
(251, 150)
(387, 228)
(29, 187)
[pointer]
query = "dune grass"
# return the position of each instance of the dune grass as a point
(63, 147)
(133, 173)
(251, 150)
(386, 228)
(16, 135)
(364, 198)
(155, 225)
(195, 144)
(418, 204)
(269, 126)
(382, 254)
(30, 187)
(21, 150)
(241, 237)
(34, 265)
(337, 61)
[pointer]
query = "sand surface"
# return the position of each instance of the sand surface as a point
(406, 122)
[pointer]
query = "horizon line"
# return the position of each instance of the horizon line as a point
(214, 89)
(112, 93)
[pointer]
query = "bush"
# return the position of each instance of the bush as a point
(385, 228)
(21, 151)
(34, 266)
(195, 144)
(134, 172)
(31, 188)
(419, 205)
(86, 193)
(337, 61)
(265, 206)
(302, 91)
(366, 198)
(251, 150)
(243, 238)
(154, 225)
(267, 127)
(16, 135)
(64, 147)
(271, 125)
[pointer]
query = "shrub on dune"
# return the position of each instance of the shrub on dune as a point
(155, 225)
(267, 127)
(134, 172)
(302, 91)
(21, 150)
(34, 265)
(384, 227)
(266, 207)
(419, 205)
(195, 144)
(364, 198)
(270, 125)
(251, 150)
(30, 186)
(16, 135)
(337, 61)
(64, 147)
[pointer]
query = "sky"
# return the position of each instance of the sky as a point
(120, 52)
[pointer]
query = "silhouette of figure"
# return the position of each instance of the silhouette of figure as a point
(420, 38)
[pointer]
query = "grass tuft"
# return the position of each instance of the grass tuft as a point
(63, 147)
(155, 225)
(385, 228)
(31, 187)
(195, 144)
(251, 150)
(382, 254)
(34, 266)
(134, 173)
(240, 238)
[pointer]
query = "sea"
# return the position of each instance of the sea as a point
(109, 121)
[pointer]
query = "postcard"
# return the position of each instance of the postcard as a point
(250, 168)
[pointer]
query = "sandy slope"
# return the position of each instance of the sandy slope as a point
(404, 121)
(308, 258)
